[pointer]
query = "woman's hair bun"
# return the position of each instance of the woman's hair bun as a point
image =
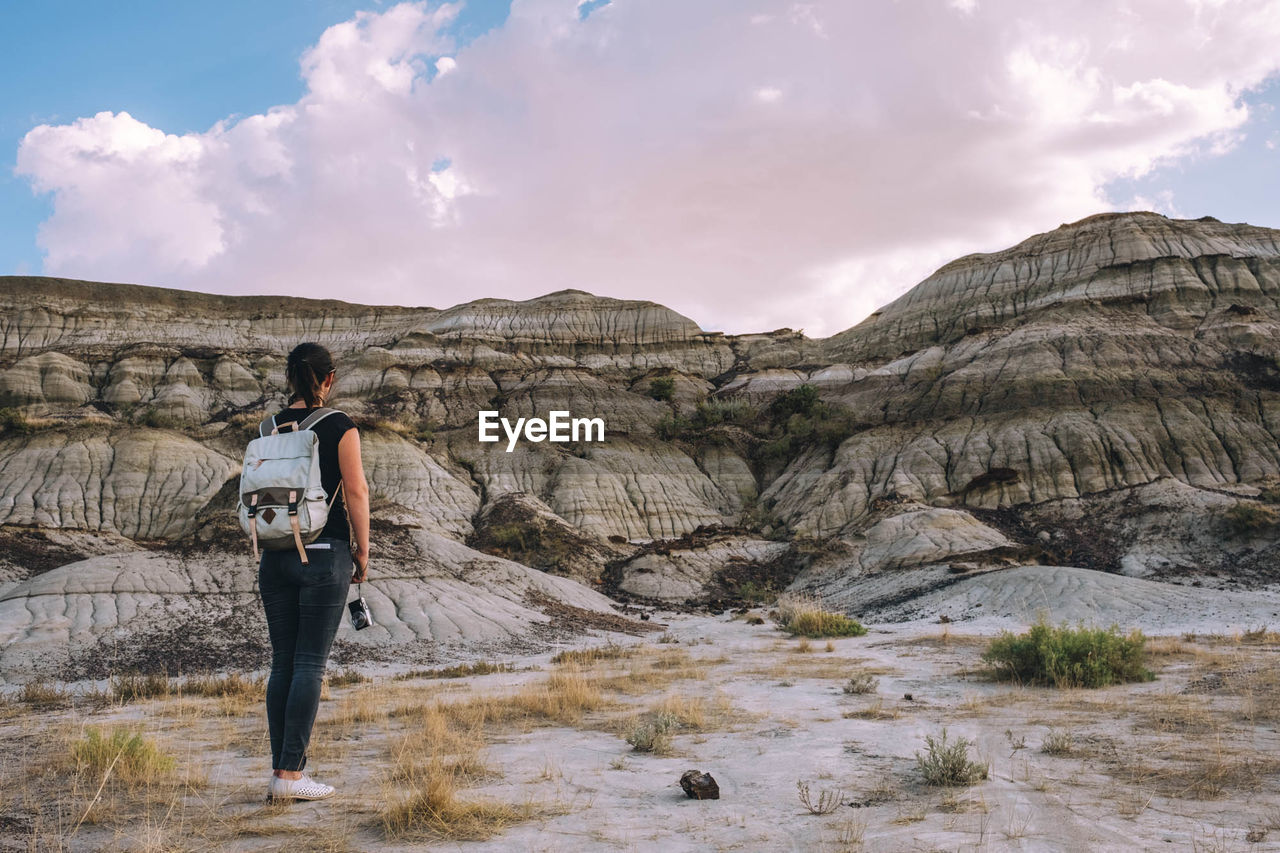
(309, 363)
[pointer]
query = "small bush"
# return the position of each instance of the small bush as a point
(663, 388)
(1271, 495)
(653, 733)
(756, 593)
(1069, 657)
(805, 617)
(863, 682)
(829, 799)
(948, 764)
(1246, 518)
(1057, 742)
(132, 758)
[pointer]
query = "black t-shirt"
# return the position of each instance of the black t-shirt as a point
(330, 430)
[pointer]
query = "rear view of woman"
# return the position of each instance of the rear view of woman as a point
(304, 603)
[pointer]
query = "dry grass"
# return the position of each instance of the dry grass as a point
(1175, 714)
(462, 670)
(347, 677)
(653, 671)
(434, 809)
(805, 616)
(124, 755)
(877, 710)
(833, 668)
(41, 694)
(595, 654)
(562, 699)
(944, 639)
(1058, 742)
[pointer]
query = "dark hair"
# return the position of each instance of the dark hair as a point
(308, 365)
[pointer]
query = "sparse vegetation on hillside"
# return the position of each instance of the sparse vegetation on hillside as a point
(663, 388)
(1247, 518)
(790, 424)
(1069, 657)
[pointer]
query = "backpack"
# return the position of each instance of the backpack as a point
(282, 503)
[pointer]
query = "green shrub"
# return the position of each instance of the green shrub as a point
(662, 388)
(949, 763)
(803, 400)
(803, 616)
(1271, 495)
(1245, 518)
(1069, 657)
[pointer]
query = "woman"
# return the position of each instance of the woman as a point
(304, 603)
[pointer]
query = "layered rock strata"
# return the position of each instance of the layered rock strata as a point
(1104, 396)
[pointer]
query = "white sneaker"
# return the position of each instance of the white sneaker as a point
(305, 788)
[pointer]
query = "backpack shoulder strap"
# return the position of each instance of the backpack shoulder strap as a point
(316, 416)
(267, 426)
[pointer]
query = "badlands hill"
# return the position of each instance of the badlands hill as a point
(1101, 402)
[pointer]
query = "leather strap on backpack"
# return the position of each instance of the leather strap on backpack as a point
(297, 528)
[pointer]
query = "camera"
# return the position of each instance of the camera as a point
(361, 618)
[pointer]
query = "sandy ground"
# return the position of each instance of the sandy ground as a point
(1190, 761)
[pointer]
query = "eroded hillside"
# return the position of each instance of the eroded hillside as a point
(1106, 395)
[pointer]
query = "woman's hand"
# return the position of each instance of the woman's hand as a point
(361, 560)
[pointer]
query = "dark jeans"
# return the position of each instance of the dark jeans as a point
(304, 606)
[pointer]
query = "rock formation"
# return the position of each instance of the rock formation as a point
(1104, 396)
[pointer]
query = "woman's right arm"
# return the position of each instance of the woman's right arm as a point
(356, 496)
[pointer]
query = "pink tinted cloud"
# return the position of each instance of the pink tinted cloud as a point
(750, 164)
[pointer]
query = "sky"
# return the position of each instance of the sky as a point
(752, 164)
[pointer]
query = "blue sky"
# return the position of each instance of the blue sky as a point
(175, 64)
(751, 163)
(1242, 185)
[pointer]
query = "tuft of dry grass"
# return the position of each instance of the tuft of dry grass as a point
(124, 755)
(41, 694)
(1058, 742)
(347, 677)
(434, 809)
(563, 698)
(586, 657)
(805, 616)
(462, 670)
(875, 711)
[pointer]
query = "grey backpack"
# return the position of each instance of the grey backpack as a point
(282, 503)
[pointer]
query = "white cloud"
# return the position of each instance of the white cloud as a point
(616, 153)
